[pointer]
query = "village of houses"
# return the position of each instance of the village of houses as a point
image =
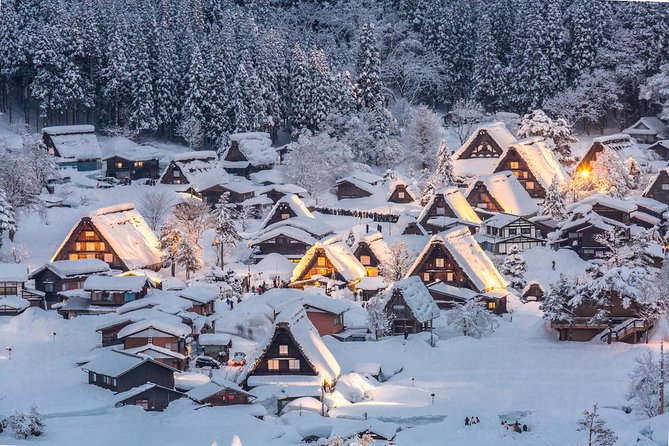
(330, 318)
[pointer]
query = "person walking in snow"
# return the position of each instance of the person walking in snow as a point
(467, 421)
(406, 335)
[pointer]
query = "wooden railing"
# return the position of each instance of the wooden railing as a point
(624, 330)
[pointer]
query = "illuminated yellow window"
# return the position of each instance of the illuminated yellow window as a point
(491, 305)
(119, 165)
(89, 234)
(365, 260)
(73, 257)
(530, 185)
(283, 350)
(139, 163)
(90, 246)
(321, 261)
(514, 165)
(439, 262)
(109, 258)
(400, 195)
(426, 277)
(294, 364)
(273, 364)
(78, 246)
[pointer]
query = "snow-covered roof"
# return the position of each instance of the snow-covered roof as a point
(129, 150)
(468, 254)
(134, 284)
(214, 339)
(592, 219)
(74, 268)
(340, 256)
(647, 125)
(294, 202)
(500, 220)
(115, 363)
(256, 147)
(457, 202)
(542, 162)
(325, 303)
(161, 324)
(202, 155)
(313, 226)
(13, 272)
(75, 141)
(285, 230)
(16, 303)
(272, 176)
(497, 130)
(362, 177)
(383, 429)
(650, 203)
(306, 338)
(610, 202)
(283, 188)
(123, 396)
(450, 290)
(201, 393)
(416, 296)
(127, 233)
(155, 352)
(199, 294)
(508, 192)
(652, 181)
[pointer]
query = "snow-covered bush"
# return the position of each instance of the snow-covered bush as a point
(514, 268)
(538, 123)
(379, 322)
(644, 385)
(24, 425)
(472, 319)
(154, 207)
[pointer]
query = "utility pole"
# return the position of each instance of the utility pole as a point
(661, 377)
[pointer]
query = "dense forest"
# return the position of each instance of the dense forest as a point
(213, 67)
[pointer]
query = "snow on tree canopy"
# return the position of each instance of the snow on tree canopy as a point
(306, 337)
(468, 254)
(416, 296)
(134, 284)
(13, 272)
(76, 142)
(508, 193)
(256, 148)
(541, 161)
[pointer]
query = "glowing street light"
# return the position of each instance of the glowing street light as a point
(585, 173)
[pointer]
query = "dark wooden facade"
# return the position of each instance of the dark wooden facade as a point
(121, 168)
(326, 322)
(438, 208)
(51, 284)
(367, 258)
(174, 175)
(155, 398)
(283, 356)
(438, 264)
(109, 333)
(156, 337)
(581, 239)
(321, 265)
(115, 298)
(346, 189)
(148, 371)
(659, 190)
(479, 197)
(86, 242)
(534, 292)
(281, 212)
(401, 194)
(402, 316)
(521, 233)
(661, 149)
(482, 146)
(515, 163)
(281, 244)
(226, 397)
(212, 194)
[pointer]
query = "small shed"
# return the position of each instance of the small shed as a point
(75, 146)
(220, 393)
(149, 396)
(410, 305)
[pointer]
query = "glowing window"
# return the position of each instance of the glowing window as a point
(89, 234)
(285, 216)
(400, 195)
(294, 364)
(530, 185)
(514, 165)
(321, 261)
(273, 364)
(450, 277)
(491, 305)
(439, 262)
(109, 258)
(365, 260)
(283, 350)
(139, 163)
(119, 165)
(426, 277)
(90, 246)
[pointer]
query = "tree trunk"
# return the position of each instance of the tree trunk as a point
(26, 105)
(222, 263)
(173, 267)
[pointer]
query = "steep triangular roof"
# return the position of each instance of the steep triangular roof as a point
(293, 202)
(457, 202)
(338, 253)
(496, 130)
(507, 192)
(416, 296)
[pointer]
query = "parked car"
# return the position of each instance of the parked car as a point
(238, 359)
(207, 361)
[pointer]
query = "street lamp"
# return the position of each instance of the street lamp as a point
(9, 350)
(432, 395)
(412, 380)
(54, 336)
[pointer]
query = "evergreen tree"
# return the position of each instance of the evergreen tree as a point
(189, 256)
(443, 175)
(422, 137)
(224, 227)
(167, 82)
(514, 268)
(368, 84)
(472, 318)
(301, 88)
(554, 205)
(7, 217)
(644, 386)
(195, 95)
(321, 94)
(169, 239)
(488, 72)
(587, 24)
(555, 304)
(142, 111)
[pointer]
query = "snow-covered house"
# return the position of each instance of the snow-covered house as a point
(115, 290)
(329, 263)
(120, 371)
(162, 355)
(448, 208)
(401, 191)
(500, 192)
(14, 296)
(581, 231)
(448, 296)
(455, 258)
(239, 191)
(63, 275)
(248, 153)
(533, 291)
(660, 149)
(149, 396)
(501, 232)
(658, 188)
(128, 160)
(640, 211)
(410, 305)
(534, 164)
(619, 143)
(275, 192)
(357, 185)
(481, 151)
(118, 235)
(74, 146)
(289, 206)
(647, 130)
(219, 393)
(371, 249)
(162, 332)
(292, 356)
(202, 299)
(291, 237)
(185, 167)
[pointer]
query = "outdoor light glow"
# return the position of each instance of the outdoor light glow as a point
(585, 173)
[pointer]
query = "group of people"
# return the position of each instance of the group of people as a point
(231, 302)
(383, 218)
(516, 427)
(472, 421)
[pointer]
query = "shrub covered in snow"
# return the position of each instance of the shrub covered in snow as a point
(24, 425)
(472, 319)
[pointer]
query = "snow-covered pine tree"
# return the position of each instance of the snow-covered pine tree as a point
(169, 239)
(321, 93)
(116, 72)
(195, 94)
(644, 385)
(142, 109)
(224, 227)
(7, 218)
(188, 256)
(488, 72)
(36, 422)
(556, 300)
(472, 318)
(166, 92)
(368, 83)
(396, 264)
(378, 321)
(554, 203)
(538, 123)
(595, 428)
(587, 23)
(301, 90)
(656, 89)
(443, 176)
(514, 268)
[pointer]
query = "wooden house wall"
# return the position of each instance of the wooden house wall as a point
(479, 197)
(227, 397)
(326, 323)
(439, 208)
(483, 146)
(321, 265)
(403, 317)
(159, 339)
(590, 157)
(282, 212)
(660, 189)
(395, 195)
(451, 273)
(158, 399)
(234, 154)
(586, 246)
(86, 242)
(110, 334)
(661, 150)
(147, 169)
(116, 298)
(282, 336)
(283, 245)
(349, 190)
(213, 194)
(522, 172)
(146, 372)
(613, 214)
